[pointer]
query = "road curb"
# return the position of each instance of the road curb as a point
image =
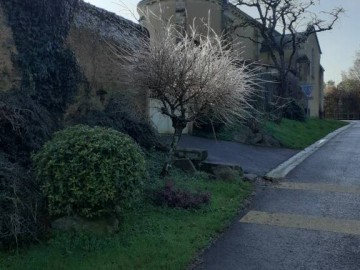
(284, 168)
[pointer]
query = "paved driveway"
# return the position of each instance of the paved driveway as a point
(253, 159)
(311, 220)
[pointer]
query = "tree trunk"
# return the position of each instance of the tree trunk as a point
(283, 91)
(281, 98)
(170, 156)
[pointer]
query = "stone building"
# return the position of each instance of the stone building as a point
(222, 16)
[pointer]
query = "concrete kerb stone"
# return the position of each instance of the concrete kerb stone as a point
(284, 168)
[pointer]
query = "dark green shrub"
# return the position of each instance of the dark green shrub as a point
(208, 123)
(120, 118)
(89, 171)
(294, 111)
(21, 218)
(208, 126)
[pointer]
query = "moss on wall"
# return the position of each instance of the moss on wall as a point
(45, 78)
(33, 108)
(50, 74)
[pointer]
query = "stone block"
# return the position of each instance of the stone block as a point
(222, 172)
(250, 177)
(271, 141)
(257, 138)
(241, 138)
(192, 154)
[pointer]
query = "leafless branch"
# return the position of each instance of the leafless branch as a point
(189, 78)
(278, 23)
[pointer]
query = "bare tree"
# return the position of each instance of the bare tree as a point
(190, 75)
(350, 89)
(351, 78)
(283, 25)
(343, 101)
(354, 71)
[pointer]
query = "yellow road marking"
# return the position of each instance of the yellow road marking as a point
(318, 187)
(303, 222)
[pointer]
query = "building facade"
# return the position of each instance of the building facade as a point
(223, 18)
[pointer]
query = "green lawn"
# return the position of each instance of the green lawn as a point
(299, 135)
(151, 237)
(290, 133)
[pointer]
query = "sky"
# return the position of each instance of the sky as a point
(338, 46)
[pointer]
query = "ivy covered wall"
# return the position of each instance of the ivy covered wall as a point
(51, 76)
(49, 71)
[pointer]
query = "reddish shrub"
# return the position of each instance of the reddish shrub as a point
(180, 198)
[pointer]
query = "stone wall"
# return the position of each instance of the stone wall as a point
(56, 70)
(92, 35)
(100, 40)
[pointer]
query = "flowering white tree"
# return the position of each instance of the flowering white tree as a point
(190, 75)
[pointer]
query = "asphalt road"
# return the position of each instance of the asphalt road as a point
(253, 159)
(311, 220)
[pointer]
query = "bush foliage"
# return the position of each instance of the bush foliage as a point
(121, 117)
(294, 111)
(30, 110)
(89, 171)
(21, 218)
(180, 198)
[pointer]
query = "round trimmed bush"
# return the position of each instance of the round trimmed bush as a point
(89, 171)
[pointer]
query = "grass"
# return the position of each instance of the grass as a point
(151, 237)
(290, 133)
(299, 135)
